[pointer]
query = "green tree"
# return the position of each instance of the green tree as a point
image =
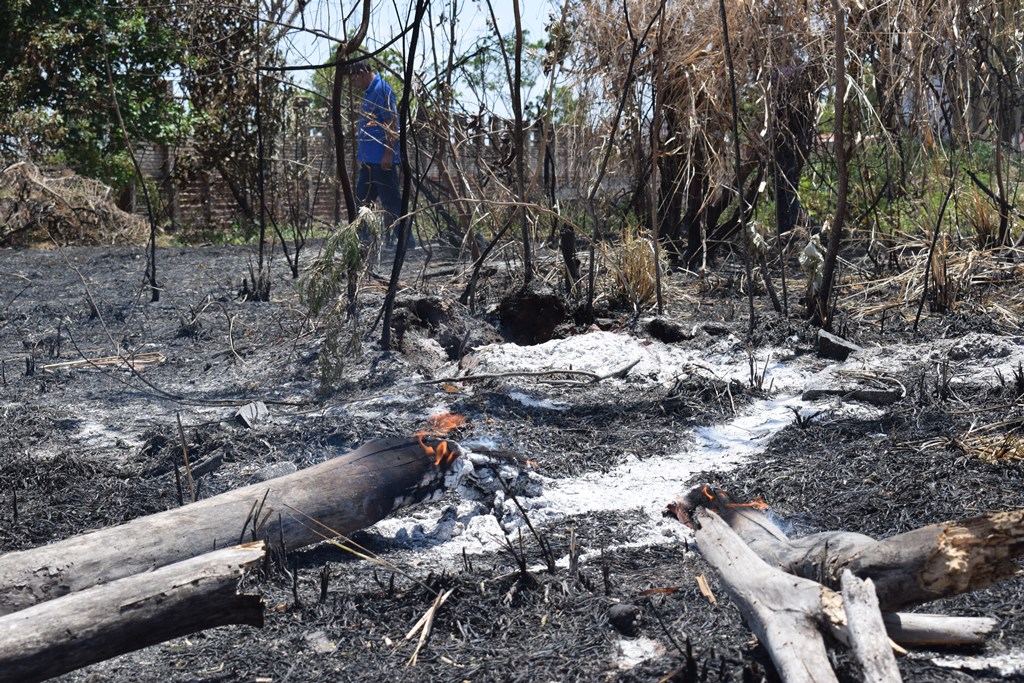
(55, 99)
(222, 80)
(484, 72)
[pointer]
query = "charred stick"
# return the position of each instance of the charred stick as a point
(592, 377)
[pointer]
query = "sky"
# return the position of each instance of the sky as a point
(387, 16)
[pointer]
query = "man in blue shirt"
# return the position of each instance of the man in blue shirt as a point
(377, 148)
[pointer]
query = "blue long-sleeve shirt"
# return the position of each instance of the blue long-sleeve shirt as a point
(379, 111)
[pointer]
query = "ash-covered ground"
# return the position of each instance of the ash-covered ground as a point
(85, 445)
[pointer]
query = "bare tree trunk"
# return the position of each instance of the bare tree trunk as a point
(1004, 215)
(820, 306)
(740, 198)
(782, 610)
(519, 148)
(261, 278)
(154, 289)
(67, 633)
(343, 51)
(656, 212)
(403, 137)
(636, 45)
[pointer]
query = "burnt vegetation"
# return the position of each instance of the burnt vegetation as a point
(858, 172)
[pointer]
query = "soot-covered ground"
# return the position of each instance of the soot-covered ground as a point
(88, 445)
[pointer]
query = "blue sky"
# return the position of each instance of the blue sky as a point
(388, 15)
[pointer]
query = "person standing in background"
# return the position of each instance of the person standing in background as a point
(377, 148)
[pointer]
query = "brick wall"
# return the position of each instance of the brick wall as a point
(300, 175)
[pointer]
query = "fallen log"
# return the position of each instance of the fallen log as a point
(909, 569)
(789, 612)
(782, 610)
(67, 633)
(868, 638)
(346, 493)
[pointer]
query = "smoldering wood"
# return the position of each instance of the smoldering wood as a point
(89, 626)
(345, 493)
(909, 569)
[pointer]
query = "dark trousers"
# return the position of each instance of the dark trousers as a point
(373, 182)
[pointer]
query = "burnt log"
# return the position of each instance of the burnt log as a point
(909, 569)
(343, 494)
(790, 615)
(61, 635)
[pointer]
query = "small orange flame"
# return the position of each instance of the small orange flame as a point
(757, 504)
(445, 423)
(441, 453)
(441, 425)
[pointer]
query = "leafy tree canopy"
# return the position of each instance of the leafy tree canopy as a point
(55, 100)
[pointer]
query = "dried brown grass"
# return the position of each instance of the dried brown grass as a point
(996, 442)
(38, 207)
(632, 268)
(971, 279)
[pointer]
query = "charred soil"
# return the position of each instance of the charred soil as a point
(86, 442)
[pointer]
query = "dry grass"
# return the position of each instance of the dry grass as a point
(40, 207)
(969, 279)
(631, 264)
(997, 442)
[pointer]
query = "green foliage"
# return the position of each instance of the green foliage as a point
(323, 284)
(330, 283)
(55, 100)
(485, 75)
(218, 67)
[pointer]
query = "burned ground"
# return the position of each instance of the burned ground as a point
(86, 446)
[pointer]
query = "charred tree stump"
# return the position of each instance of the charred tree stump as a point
(101, 622)
(341, 495)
